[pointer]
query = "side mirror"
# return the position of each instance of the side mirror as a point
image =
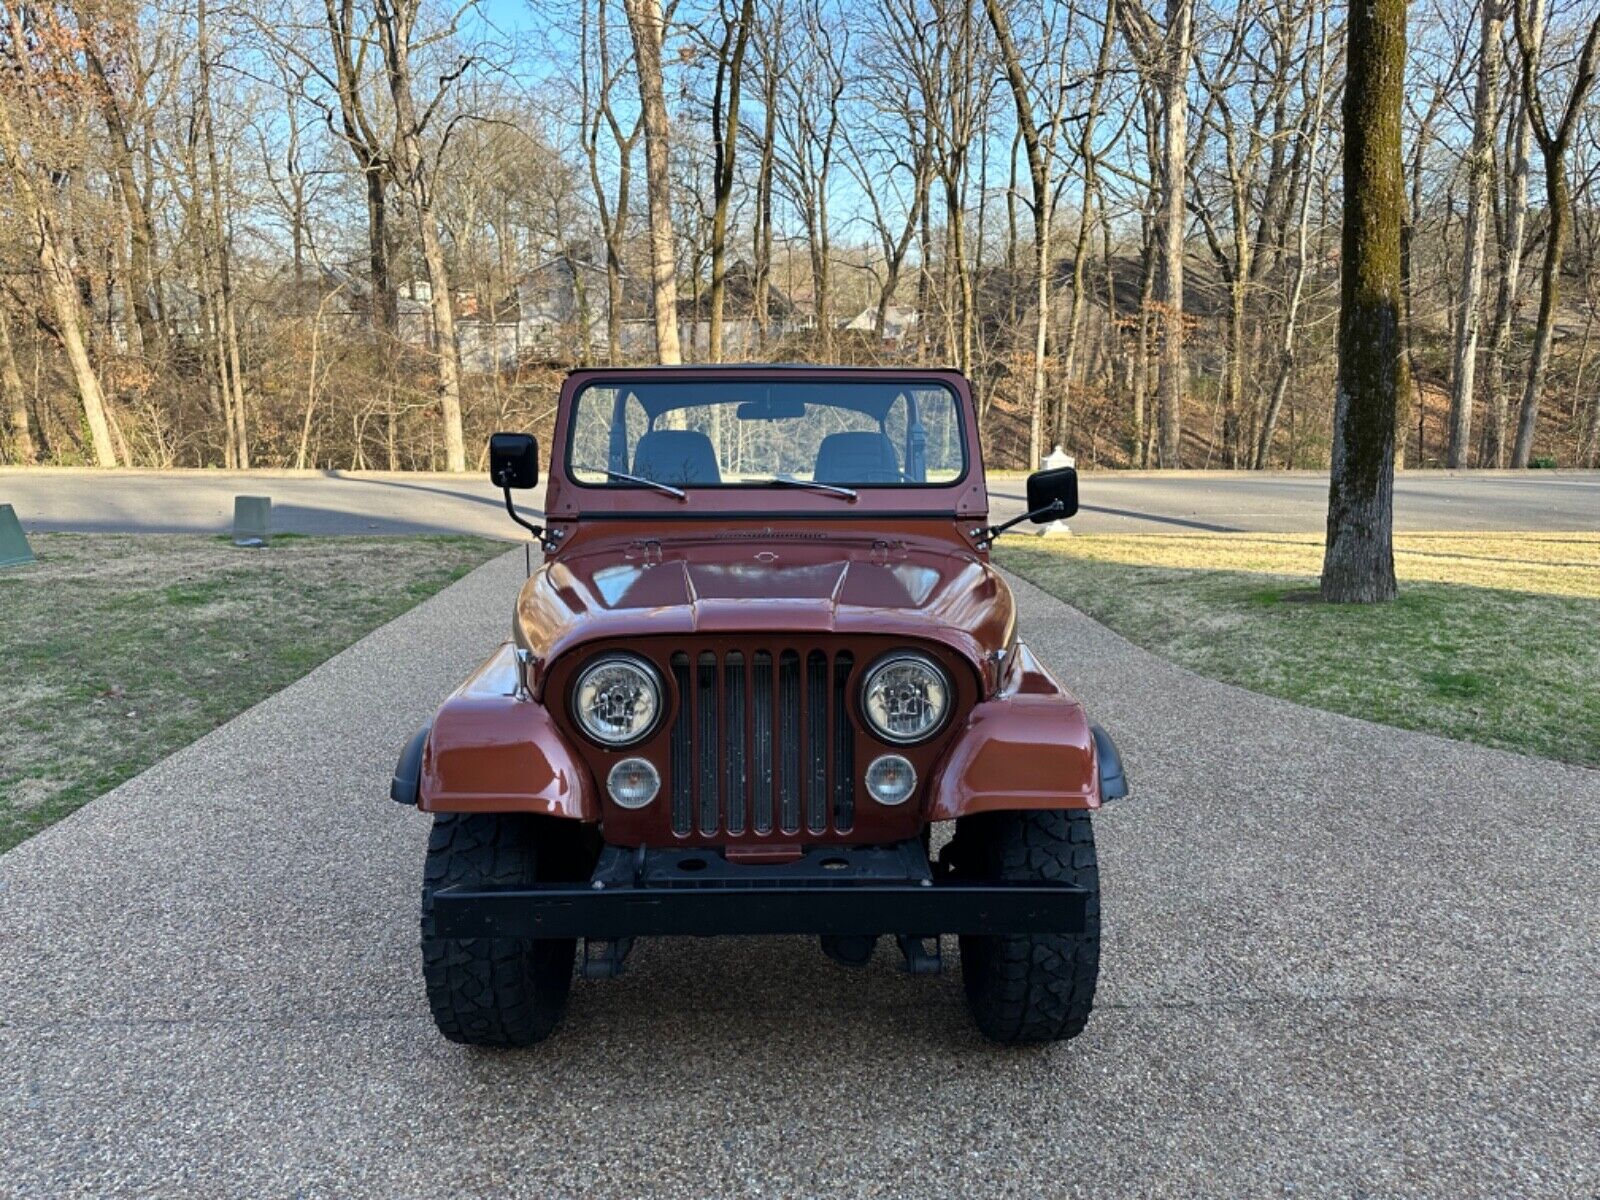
(514, 460)
(1048, 488)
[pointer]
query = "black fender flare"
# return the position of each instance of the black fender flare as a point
(1113, 782)
(406, 786)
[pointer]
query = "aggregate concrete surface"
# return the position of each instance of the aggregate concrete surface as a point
(1338, 960)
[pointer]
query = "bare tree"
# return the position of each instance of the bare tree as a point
(1310, 134)
(1553, 143)
(1480, 175)
(1046, 75)
(39, 71)
(598, 75)
(368, 144)
(413, 169)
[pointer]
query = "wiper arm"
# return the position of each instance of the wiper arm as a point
(830, 488)
(677, 493)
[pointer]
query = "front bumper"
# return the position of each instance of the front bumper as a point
(837, 891)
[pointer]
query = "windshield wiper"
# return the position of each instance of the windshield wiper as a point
(679, 493)
(830, 488)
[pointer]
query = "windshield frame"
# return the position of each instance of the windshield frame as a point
(960, 398)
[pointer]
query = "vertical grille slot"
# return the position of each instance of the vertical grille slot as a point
(788, 736)
(817, 741)
(682, 748)
(736, 779)
(707, 742)
(844, 747)
(761, 741)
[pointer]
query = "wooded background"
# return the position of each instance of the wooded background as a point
(365, 233)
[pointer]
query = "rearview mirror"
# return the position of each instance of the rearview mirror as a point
(770, 410)
(1046, 488)
(514, 460)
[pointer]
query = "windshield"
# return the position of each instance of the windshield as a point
(689, 433)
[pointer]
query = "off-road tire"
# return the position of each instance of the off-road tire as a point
(1031, 987)
(496, 991)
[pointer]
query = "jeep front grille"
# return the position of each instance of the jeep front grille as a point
(762, 743)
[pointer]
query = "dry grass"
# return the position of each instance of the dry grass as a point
(1495, 638)
(119, 650)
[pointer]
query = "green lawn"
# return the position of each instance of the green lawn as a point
(119, 650)
(1495, 638)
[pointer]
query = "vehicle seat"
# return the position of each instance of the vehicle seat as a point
(859, 457)
(678, 456)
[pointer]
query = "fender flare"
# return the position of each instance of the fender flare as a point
(1113, 781)
(406, 785)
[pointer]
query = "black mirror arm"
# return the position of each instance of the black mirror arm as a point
(988, 533)
(536, 530)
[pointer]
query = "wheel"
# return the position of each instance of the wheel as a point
(497, 991)
(1031, 987)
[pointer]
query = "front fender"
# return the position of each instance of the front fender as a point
(1031, 747)
(493, 749)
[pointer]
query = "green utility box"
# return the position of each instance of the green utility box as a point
(14, 548)
(252, 520)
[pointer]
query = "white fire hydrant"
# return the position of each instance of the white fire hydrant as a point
(1055, 459)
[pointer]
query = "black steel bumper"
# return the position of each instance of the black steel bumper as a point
(840, 892)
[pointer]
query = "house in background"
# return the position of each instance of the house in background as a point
(899, 324)
(741, 333)
(557, 313)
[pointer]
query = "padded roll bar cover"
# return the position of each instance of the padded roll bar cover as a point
(493, 749)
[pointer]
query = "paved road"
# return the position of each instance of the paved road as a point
(308, 502)
(1338, 960)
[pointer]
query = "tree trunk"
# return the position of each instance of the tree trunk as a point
(1480, 175)
(1142, 433)
(1492, 451)
(725, 140)
(385, 304)
(216, 219)
(1557, 206)
(1174, 167)
(1358, 563)
(15, 396)
(645, 22)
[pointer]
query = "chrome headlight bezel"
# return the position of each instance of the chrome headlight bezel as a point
(649, 676)
(900, 658)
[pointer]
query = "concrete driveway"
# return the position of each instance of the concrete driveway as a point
(1339, 960)
(1113, 502)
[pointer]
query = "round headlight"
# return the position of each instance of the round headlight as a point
(891, 779)
(617, 700)
(905, 697)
